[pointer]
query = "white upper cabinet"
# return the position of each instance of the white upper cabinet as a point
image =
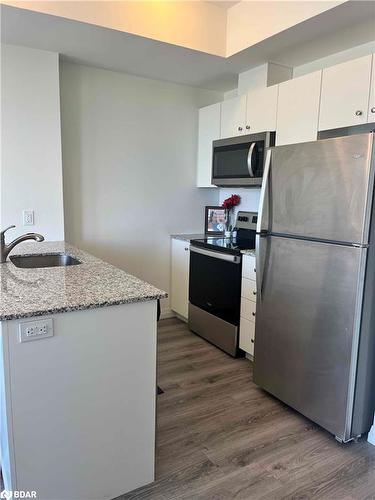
(298, 109)
(261, 110)
(209, 130)
(371, 107)
(335, 97)
(233, 117)
(345, 94)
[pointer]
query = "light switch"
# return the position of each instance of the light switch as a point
(28, 217)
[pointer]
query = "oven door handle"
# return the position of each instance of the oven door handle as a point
(250, 159)
(235, 259)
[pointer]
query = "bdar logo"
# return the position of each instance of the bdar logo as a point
(7, 494)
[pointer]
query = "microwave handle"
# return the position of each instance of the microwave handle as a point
(250, 159)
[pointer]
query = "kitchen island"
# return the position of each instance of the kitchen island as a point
(77, 377)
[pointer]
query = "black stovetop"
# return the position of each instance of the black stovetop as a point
(228, 245)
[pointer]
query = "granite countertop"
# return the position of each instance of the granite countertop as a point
(91, 284)
(188, 237)
(248, 252)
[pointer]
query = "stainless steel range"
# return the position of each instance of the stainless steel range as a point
(215, 284)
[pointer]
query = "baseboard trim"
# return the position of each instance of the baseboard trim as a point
(371, 436)
(167, 314)
(182, 318)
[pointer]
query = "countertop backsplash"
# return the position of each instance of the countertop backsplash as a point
(249, 198)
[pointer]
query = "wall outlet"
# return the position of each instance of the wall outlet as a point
(28, 217)
(34, 330)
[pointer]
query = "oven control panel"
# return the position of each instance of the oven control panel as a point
(247, 220)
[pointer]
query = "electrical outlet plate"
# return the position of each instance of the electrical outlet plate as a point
(34, 330)
(28, 217)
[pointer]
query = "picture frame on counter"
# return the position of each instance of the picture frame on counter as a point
(214, 222)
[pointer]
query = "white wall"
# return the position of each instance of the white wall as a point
(246, 25)
(194, 24)
(31, 167)
(335, 58)
(249, 198)
(262, 76)
(129, 167)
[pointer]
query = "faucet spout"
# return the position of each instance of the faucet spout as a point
(6, 248)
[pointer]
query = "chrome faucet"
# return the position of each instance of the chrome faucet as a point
(6, 248)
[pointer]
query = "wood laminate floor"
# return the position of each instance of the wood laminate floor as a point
(221, 437)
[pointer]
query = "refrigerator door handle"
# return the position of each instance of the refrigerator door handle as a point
(260, 257)
(263, 193)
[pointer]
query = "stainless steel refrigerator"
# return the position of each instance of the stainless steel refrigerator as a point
(315, 335)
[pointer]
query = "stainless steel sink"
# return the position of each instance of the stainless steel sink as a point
(44, 260)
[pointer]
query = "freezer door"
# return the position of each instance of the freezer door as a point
(322, 189)
(307, 327)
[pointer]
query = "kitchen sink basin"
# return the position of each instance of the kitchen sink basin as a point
(44, 260)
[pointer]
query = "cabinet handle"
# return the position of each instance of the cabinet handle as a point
(255, 270)
(372, 110)
(358, 112)
(247, 127)
(240, 129)
(252, 341)
(253, 314)
(254, 293)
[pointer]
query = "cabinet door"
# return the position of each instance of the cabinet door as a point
(249, 289)
(248, 267)
(180, 277)
(345, 94)
(371, 107)
(209, 130)
(261, 108)
(233, 116)
(298, 109)
(247, 335)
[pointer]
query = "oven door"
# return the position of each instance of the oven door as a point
(215, 283)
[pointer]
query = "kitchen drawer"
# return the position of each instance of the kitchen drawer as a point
(248, 267)
(247, 336)
(249, 289)
(248, 309)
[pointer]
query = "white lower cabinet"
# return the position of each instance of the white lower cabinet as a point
(248, 308)
(248, 305)
(249, 289)
(247, 335)
(248, 267)
(180, 277)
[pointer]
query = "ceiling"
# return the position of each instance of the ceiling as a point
(223, 4)
(343, 27)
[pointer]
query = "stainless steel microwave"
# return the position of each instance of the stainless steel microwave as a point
(239, 161)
